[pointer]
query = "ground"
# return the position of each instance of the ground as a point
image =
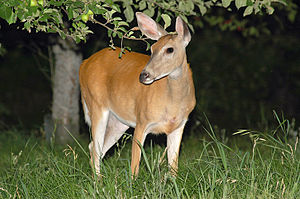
(246, 165)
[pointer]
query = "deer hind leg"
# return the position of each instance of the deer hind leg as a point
(99, 123)
(114, 130)
(173, 146)
(88, 121)
(86, 112)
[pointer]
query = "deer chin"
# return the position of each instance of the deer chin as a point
(161, 76)
(148, 81)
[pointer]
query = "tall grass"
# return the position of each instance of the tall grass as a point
(208, 168)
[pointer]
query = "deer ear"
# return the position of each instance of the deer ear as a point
(149, 27)
(183, 31)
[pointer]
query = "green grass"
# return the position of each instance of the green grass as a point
(248, 165)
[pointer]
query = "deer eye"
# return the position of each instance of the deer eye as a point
(170, 50)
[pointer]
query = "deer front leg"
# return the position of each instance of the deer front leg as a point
(173, 146)
(137, 142)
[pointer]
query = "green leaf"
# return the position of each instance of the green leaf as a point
(142, 5)
(127, 48)
(12, 19)
(292, 15)
(250, 3)
(6, 12)
(12, 3)
(128, 12)
(121, 53)
(116, 8)
(70, 13)
(253, 31)
(120, 35)
(59, 3)
(110, 2)
(27, 26)
(226, 3)
(203, 9)
(123, 23)
(248, 11)
(158, 15)
(189, 5)
(257, 9)
(109, 14)
(150, 11)
(181, 6)
(129, 33)
(77, 39)
(62, 34)
(50, 30)
(167, 20)
(109, 32)
(122, 29)
(148, 46)
(44, 18)
(117, 19)
(240, 3)
(183, 17)
(270, 10)
(99, 11)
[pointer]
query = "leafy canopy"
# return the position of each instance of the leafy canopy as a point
(70, 18)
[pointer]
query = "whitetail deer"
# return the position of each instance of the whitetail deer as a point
(152, 94)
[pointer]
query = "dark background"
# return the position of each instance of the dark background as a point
(239, 80)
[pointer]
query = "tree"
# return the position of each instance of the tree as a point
(65, 104)
(71, 20)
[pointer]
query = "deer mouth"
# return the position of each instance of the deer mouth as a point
(146, 78)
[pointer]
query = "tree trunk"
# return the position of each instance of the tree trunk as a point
(65, 107)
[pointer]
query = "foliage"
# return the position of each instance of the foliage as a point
(70, 18)
(254, 165)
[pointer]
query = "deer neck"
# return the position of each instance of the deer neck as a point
(178, 82)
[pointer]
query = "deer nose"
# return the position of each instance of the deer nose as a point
(143, 76)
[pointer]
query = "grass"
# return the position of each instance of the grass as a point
(247, 165)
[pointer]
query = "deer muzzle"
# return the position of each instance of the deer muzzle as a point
(145, 77)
